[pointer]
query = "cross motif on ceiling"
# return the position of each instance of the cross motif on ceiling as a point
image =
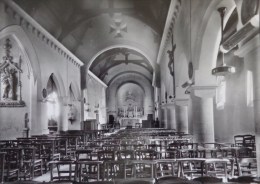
(118, 27)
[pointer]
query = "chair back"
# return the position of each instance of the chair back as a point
(106, 155)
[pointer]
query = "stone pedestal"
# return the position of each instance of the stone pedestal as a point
(202, 113)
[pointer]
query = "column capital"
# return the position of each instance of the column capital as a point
(252, 45)
(204, 91)
(182, 101)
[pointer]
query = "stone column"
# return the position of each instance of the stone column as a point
(63, 125)
(181, 114)
(251, 54)
(171, 120)
(202, 113)
(44, 118)
(163, 122)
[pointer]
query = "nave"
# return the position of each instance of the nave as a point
(128, 156)
(129, 91)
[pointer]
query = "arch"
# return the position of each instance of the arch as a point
(122, 79)
(129, 81)
(127, 72)
(208, 43)
(27, 49)
(146, 55)
(209, 20)
(60, 91)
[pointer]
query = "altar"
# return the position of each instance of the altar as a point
(129, 121)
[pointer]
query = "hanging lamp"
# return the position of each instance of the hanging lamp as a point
(224, 69)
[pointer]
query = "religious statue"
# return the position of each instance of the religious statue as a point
(171, 64)
(10, 86)
(130, 97)
(8, 80)
(171, 59)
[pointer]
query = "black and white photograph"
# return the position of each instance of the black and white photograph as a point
(129, 91)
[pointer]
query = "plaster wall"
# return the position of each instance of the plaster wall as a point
(45, 61)
(95, 96)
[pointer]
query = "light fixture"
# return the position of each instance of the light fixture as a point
(223, 69)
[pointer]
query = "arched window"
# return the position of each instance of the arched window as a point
(221, 92)
(53, 109)
(250, 94)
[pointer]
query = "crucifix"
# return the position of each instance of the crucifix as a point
(171, 63)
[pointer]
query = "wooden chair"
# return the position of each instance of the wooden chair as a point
(31, 165)
(216, 167)
(239, 140)
(143, 168)
(146, 154)
(125, 155)
(66, 170)
(84, 155)
(166, 167)
(247, 166)
(111, 147)
(190, 167)
(139, 146)
(10, 164)
(106, 155)
(88, 170)
(116, 169)
(156, 147)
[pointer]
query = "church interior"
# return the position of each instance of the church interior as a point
(129, 91)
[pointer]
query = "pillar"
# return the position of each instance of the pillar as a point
(251, 54)
(171, 120)
(63, 125)
(163, 122)
(44, 119)
(181, 115)
(202, 113)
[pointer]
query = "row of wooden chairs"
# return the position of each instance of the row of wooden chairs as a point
(110, 170)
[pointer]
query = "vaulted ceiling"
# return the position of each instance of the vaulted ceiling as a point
(86, 27)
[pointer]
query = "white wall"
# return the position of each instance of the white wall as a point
(43, 60)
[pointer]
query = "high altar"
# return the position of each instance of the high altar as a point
(131, 112)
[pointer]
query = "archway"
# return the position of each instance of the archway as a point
(53, 106)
